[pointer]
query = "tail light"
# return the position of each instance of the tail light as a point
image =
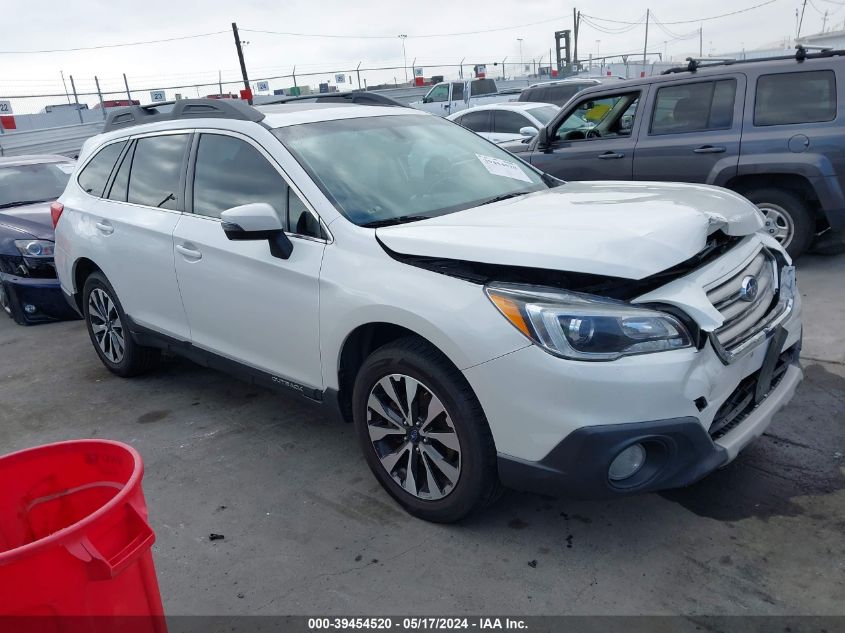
(56, 210)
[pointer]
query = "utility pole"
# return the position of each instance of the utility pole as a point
(824, 21)
(521, 65)
(358, 70)
(645, 45)
(462, 67)
(404, 57)
(801, 19)
(576, 18)
(503, 67)
(294, 76)
(241, 60)
(550, 62)
(700, 41)
(220, 82)
(65, 85)
(128, 94)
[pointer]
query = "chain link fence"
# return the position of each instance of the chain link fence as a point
(75, 100)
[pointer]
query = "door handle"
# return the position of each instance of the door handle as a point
(188, 253)
(104, 227)
(709, 149)
(611, 155)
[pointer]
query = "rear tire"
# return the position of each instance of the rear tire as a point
(789, 218)
(108, 328)
(434, 455)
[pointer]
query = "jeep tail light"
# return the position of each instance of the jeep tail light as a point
(56, 212)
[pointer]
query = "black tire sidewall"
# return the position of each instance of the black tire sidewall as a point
(799, 212)
(17, 314)
(124, 367)
(468, 420)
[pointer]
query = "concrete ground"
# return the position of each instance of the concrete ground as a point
(309, 531)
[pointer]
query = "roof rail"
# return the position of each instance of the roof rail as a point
(130, 116)
(801, 53)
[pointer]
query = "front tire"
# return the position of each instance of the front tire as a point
(107, 326)
(10, 305)
(423, 432)
(789, 219)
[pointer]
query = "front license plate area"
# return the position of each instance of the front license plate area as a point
(764, 381)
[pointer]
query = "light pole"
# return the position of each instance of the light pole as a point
(404, 56)
(521, 66)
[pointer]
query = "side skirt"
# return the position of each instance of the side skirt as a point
(151, 338)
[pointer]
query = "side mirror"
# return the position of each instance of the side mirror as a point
(528, 131)
(426, 99)
(543, 138)
(257, 221)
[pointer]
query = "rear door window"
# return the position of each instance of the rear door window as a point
(457, 92)
(797, 97)
(120, 185)
(508, 122)
(694, 107)
(155, 179)
(95, 174)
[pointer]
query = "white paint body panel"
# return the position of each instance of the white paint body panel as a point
(623, 229)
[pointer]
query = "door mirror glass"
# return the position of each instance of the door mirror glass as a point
(528, 131)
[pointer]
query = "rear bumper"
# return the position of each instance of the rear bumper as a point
(45, 295)
(680, 451)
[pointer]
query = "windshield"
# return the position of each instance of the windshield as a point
(20, 184)
(544, 114)
(402, 168)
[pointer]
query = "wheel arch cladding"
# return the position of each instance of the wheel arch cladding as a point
(358, 345)
(82, 269)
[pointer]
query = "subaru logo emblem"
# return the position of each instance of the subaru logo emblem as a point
(748, 289)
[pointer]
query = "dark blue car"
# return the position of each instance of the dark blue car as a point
(29, 289)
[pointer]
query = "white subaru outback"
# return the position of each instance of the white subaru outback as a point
(479, 322)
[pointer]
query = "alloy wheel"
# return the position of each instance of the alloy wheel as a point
(413, 437)
(778, 223)
(106, 325)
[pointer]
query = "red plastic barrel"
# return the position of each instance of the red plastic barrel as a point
(74, 539)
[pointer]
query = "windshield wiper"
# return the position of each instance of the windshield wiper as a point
(402, 219)
(504, 196)
(21, 203)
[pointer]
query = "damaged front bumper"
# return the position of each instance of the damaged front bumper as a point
(35, 300)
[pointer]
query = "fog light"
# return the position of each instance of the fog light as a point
(627, 463)
(30, 309)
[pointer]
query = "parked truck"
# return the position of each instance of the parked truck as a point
(448, 97)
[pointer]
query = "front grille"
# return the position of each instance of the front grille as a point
(741, 317)
(741, 403)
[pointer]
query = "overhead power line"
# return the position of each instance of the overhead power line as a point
(101, 46)
(697, 20)
(410, 36)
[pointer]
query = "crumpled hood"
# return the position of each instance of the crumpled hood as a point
(31, 220)
(621, 229)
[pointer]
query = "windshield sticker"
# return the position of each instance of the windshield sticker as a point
(66, 167)
(505, 168)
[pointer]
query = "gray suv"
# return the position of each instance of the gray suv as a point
(769, 129)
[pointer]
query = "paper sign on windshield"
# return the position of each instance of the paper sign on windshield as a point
(500, 167)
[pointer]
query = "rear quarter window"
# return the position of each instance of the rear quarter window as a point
(796, 97)
(95, 174)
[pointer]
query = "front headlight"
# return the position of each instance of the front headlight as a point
(35, 248)
(585, 327)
